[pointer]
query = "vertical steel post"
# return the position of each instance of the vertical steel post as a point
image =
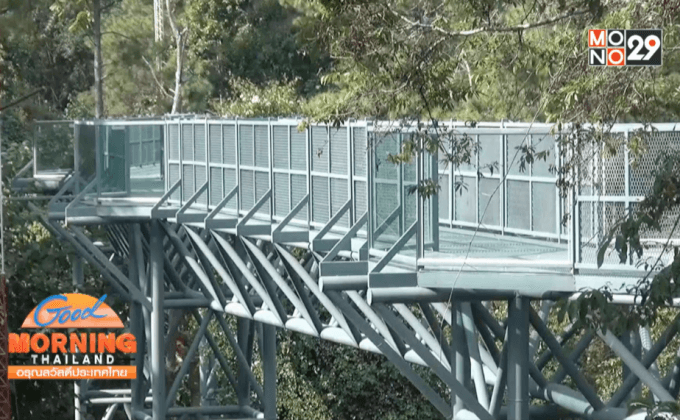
(78, 278)
(518, 358)
(350, 173)
(76, 154)
(401, 199)
(291, 202)
(477, 206)
(270, 166)
(420, 215)
(180, 146)
(222, 169)
(237, 163)
(370, 152)
(137, 324)
(245, 339)
(476, 369)
(626, 177)
(207, 375)
(328, 173)
(157, 322)
(503, 189)
(626, 340)
(452, 188)
(531, 189)
(434, 203)
(165, 154)
(208, 177)
(310, 192)
(269, 368)
(458, 356)
(636, 349)
(559, 205)
(98, 158)
(37, 128)
(127, 153)
(575, 225)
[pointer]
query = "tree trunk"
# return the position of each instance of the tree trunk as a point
(180, 40)
(177, 99)
(98, 85)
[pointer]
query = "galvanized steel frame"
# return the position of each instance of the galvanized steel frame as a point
(258, 279)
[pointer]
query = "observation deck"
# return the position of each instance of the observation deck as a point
(333, 191)
(315, 231)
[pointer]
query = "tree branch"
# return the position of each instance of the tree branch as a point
(119, 34)
(23, 98)
(108, 6)
(490, 29)
(173, 24)
(155, 78)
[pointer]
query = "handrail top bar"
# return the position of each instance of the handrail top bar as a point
(508, 127)
(506, 262)
(54, 121)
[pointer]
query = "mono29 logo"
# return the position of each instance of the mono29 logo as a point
(624, 47)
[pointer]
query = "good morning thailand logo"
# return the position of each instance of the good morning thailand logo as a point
(78, 355)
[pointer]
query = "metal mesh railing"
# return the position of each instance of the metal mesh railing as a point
(277, 165)
(394, 195)
(613, 180)
(499, 190)
(271, 156)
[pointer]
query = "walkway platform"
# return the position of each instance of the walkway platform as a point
(268, 180)
(314, 231)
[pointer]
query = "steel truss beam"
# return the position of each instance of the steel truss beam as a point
(482, 358)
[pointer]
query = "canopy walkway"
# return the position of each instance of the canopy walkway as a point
(314, 231)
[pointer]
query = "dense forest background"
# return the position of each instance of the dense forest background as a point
(325, 60)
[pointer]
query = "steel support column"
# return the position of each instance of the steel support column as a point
(78, 280)
(518, 358)
(157, 322)
(207, 374)
(245, 342)
(269, 368)
(137, 326)
(459, 357)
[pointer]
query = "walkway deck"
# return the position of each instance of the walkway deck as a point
(314, 232)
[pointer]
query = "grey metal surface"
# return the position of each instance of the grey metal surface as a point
(332, 165)
(216, 222)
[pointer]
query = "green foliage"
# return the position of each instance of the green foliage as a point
(38, 51)
(253, 41)
(324, 380)
(658, 212)
(127, 44)
(78, 10)
(329, 61)
(251, 100)
(37, 266)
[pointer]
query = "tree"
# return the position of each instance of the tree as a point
(181, 36)
(87, 15)
(244, 43)
(37, 51)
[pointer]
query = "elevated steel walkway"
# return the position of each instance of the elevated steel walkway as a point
(316, 232)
